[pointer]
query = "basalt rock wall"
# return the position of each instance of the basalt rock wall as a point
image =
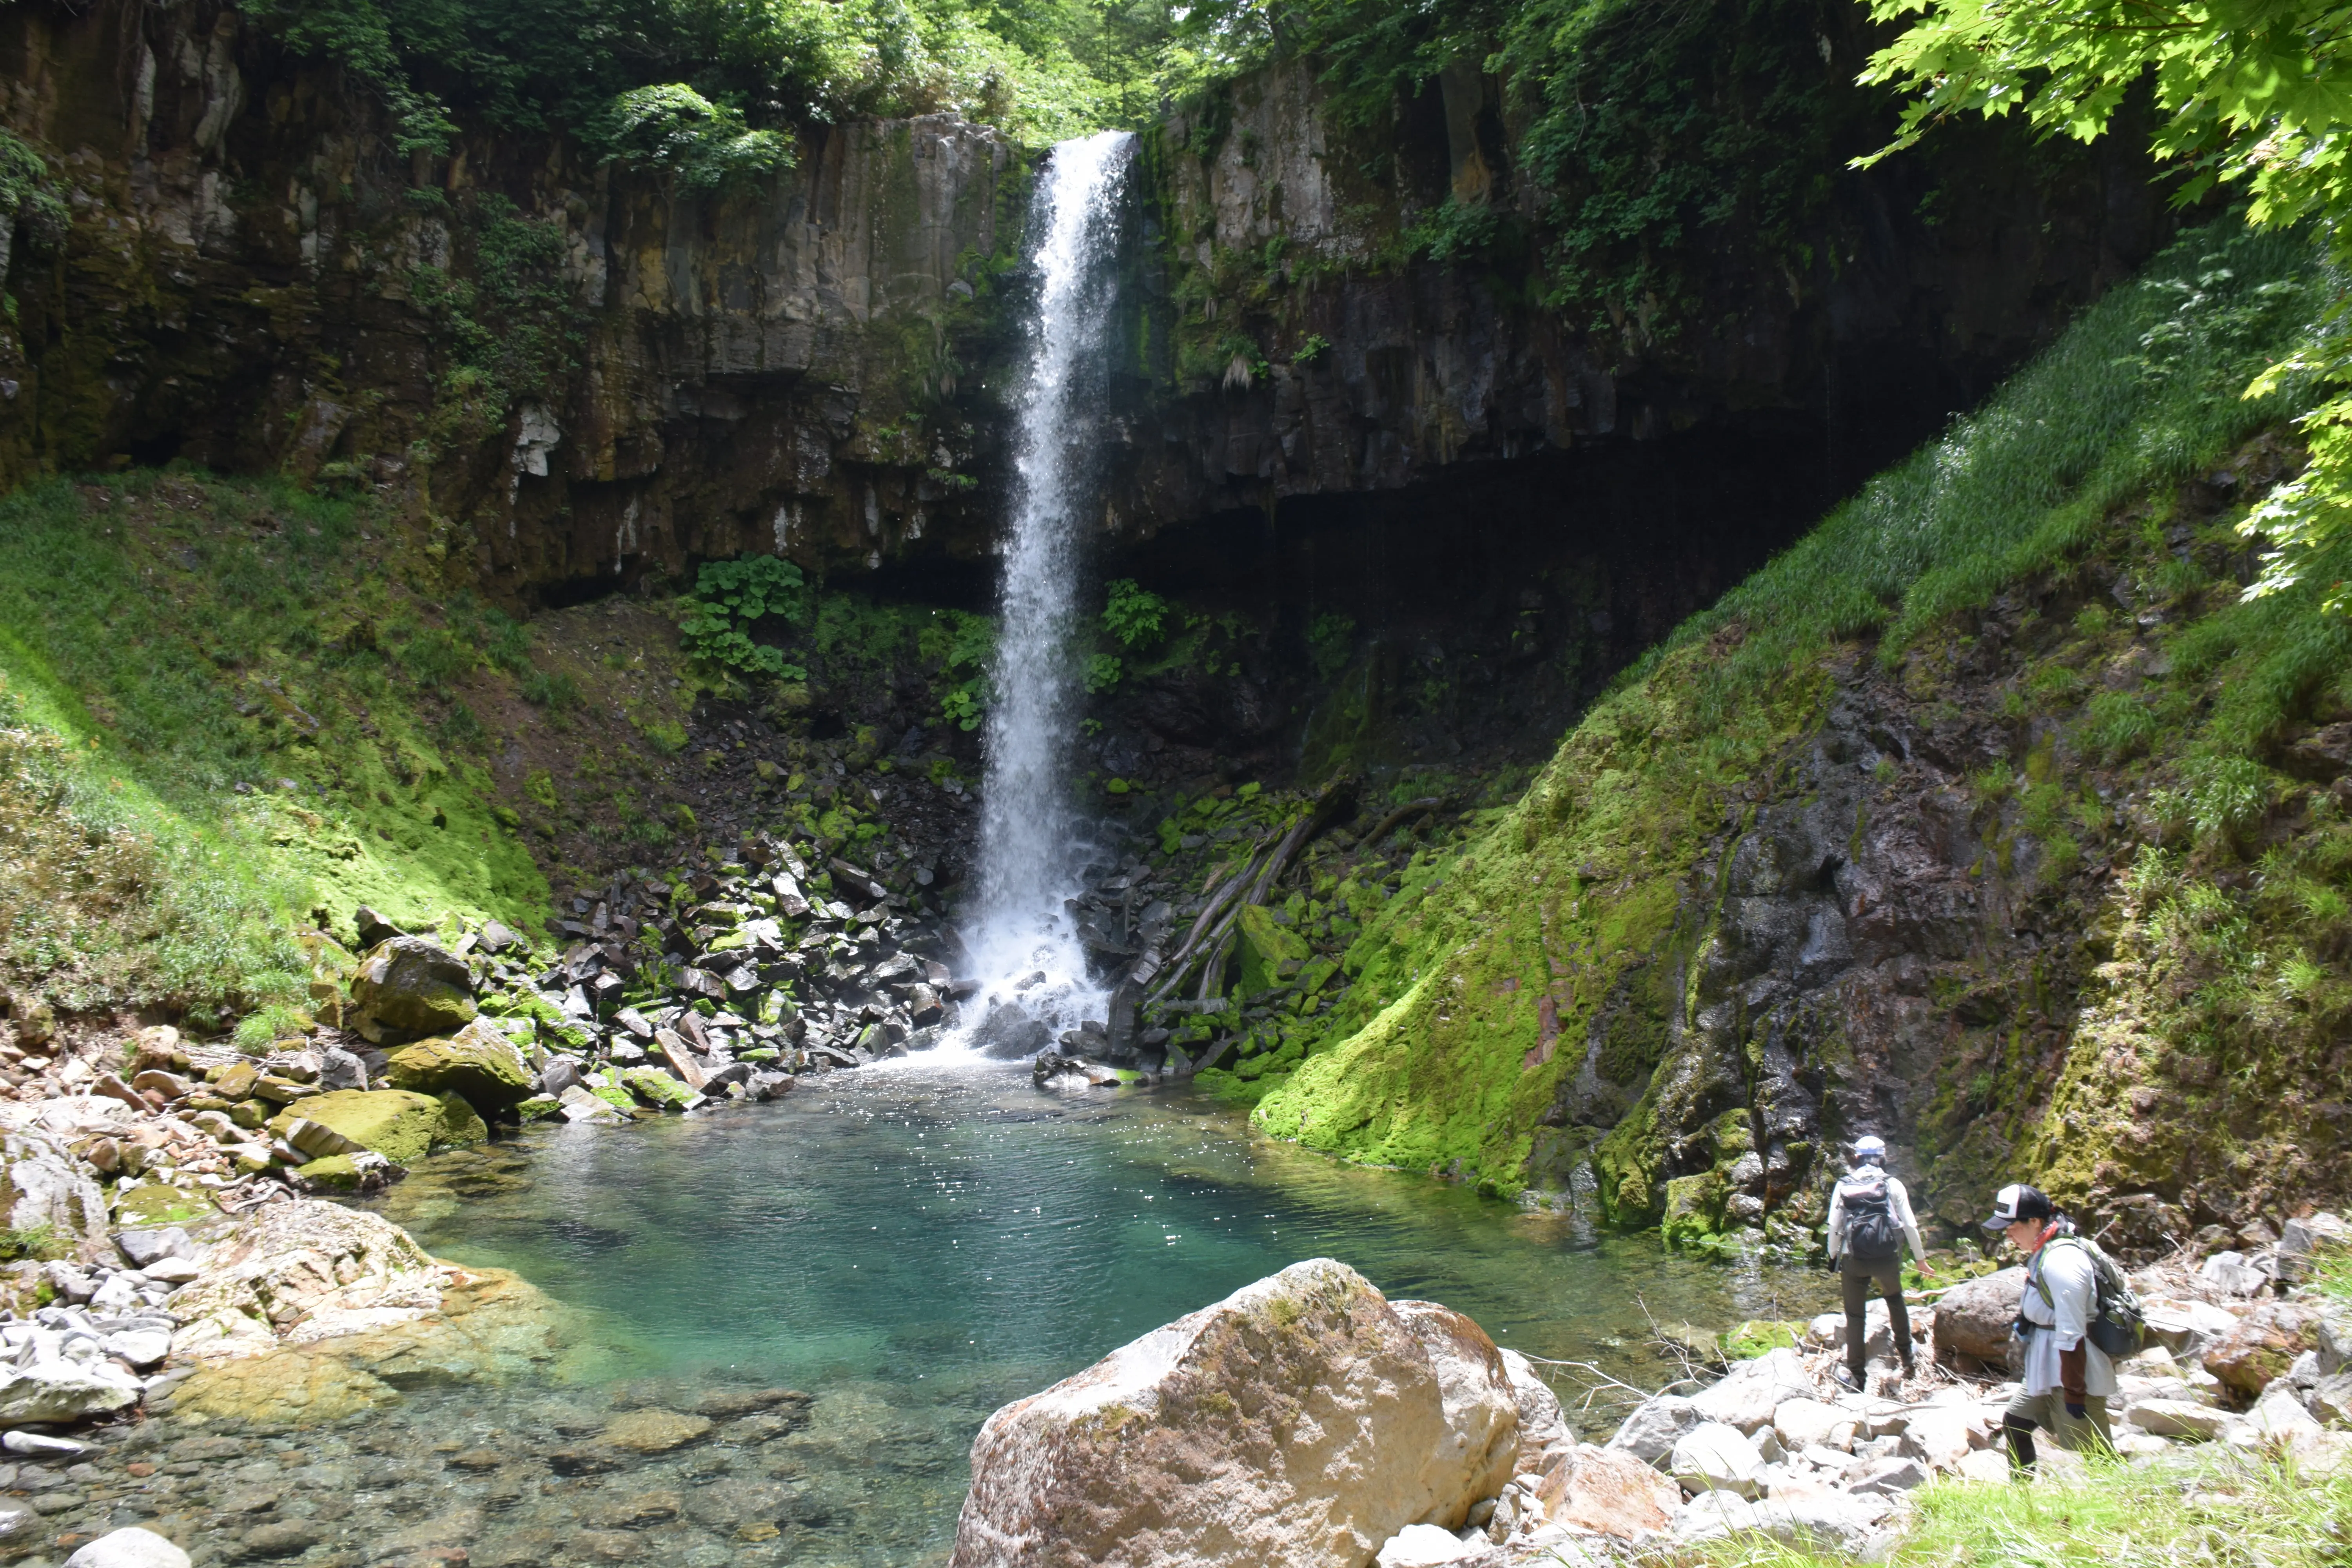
(565, 371)
(1292, 345)
(571, 373)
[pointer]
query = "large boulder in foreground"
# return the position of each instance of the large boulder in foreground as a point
(409, 986)
(478, 1064)
(307, 1270)
(1299, 1423)
(1977, 1317)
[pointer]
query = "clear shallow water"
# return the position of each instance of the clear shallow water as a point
(917, 1245)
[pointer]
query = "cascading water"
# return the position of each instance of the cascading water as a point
(1023, 947)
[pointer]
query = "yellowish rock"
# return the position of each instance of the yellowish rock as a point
(655, 1431)
(290, 1388)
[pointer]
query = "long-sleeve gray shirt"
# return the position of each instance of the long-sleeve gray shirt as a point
(1898, 1203)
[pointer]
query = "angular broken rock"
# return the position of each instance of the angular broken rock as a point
(1650, 1432)
(2262, 1345)
(409, 986)
(1751, 1391)
(1544, 1431)
(1716, 1457)
(330, 1269)
(1300, 1422)
(44, 1187)
(1609, 1491)
(2178, 1418)
(62, 1391)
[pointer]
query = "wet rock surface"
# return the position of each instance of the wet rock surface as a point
(446, 1474)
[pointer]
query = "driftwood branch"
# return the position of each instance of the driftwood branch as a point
(1404, 812)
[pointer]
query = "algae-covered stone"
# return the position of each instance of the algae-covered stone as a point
(401, 1126)
(1693, 1208)
(155, 1203)
(460, 1126)
(409, 986)
(656, 1086)
(333, 1172)
(655, 1431)
(1270, 954)
(540, 1108)
(291, 1388)
(478, 1062)
(566, 1035)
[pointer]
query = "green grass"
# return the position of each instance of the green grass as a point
(2145, 390)
(225, 721)
(2212, 1509)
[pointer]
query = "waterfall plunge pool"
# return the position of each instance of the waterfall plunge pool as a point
(915, 1246)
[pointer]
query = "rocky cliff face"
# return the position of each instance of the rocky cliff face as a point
(569, 371)
(574, 373)
(1299, 341)
(2033, 877)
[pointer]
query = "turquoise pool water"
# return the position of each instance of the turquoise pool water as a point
(919, 1245)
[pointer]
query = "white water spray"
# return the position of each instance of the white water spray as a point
(1032, 844)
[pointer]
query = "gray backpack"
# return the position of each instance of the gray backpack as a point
(2120, 1327)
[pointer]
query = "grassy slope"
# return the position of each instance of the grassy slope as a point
(165, 640)
(1438, 1058)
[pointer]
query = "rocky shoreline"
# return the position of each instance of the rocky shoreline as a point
(1312, 1422)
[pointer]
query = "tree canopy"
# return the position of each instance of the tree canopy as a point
(2255, 94)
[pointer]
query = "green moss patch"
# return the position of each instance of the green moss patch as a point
(398, 1125)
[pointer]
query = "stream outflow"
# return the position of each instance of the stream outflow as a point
(1022, 948)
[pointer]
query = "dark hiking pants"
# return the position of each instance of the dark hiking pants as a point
(1855, 1277)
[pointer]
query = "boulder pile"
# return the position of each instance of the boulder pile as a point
(721, 985)
(2236, 1355)
(733, 977)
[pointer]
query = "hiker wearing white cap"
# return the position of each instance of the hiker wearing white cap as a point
(2068, 1378)
(1870, 1220)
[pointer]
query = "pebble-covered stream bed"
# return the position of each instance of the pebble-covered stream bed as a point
(797, 1316)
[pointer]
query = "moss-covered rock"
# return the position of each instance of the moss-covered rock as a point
(1270, 952)
(332, 1173)
(1758, 1335)
(1694, 1207)
(460, 1125)
(155, 1203)
(656, 1086)
(478, 1062)
(401, 1126)
(409, 986)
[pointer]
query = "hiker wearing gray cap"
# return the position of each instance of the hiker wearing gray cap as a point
(1870, 1219)
(2068, 1378)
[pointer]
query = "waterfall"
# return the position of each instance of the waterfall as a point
(1032, 843)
